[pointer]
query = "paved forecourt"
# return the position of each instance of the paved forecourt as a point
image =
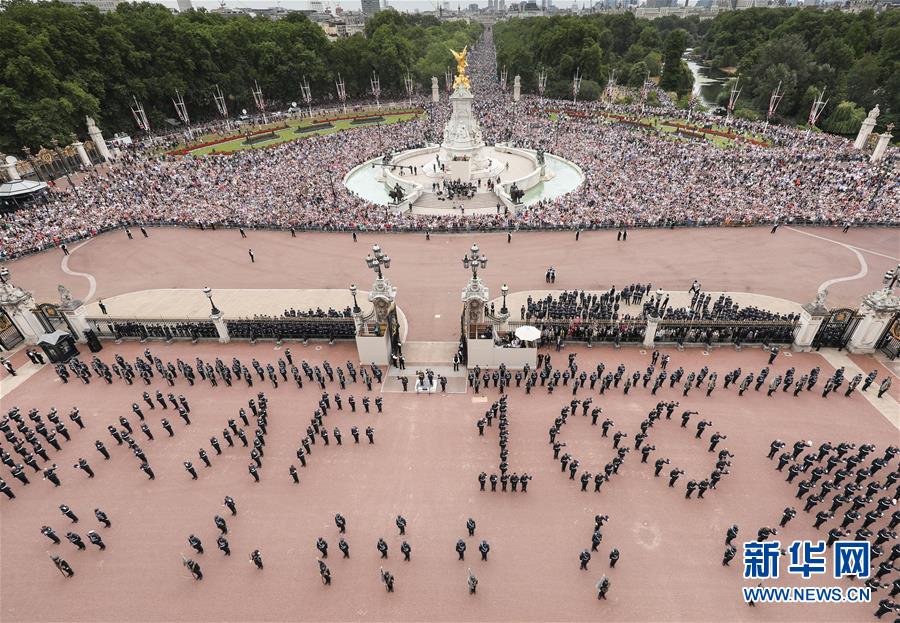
(423, 465)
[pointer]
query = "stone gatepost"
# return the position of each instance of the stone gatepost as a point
(82, 154)
(17, 303)
(877, 309)
(811, 319)
(517, 88)
(650, 332)
(435, 93)
(866, 128)
(884, 139)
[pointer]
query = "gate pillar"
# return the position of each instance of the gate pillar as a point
(811, 319)
(877, 310)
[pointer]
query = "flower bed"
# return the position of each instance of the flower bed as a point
(219, 141)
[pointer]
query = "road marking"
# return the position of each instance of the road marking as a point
(92, 283)
(806, 233)
(863, 266)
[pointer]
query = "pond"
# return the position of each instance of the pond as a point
(708, 81)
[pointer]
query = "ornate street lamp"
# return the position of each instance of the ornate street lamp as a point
(504, 290)
(377, 259)
(474, 260)
(208, 292)
(353, 291)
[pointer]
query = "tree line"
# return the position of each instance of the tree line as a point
(61, 62)
(854, 57)
(595, 46)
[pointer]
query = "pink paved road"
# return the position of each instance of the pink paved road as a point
(429, 275)
(423, 465)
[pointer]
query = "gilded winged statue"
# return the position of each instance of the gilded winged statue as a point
(461, 78)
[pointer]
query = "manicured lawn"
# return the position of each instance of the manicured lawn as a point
(289, 134)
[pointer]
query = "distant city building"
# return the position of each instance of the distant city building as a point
(105, 6)
(317, 6)
(473, 6)
(184, 5)
(370, 7)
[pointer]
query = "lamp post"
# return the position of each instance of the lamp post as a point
(504, 290)
(889, 280)
(353, 291)
(474, 260)
(377, 259)
(208, 292)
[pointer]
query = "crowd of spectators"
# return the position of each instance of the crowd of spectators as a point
(634, 176)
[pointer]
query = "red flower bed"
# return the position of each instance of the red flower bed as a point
(226, 139)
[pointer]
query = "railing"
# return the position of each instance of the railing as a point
(305, 328)
(153, 328)
(726, 332)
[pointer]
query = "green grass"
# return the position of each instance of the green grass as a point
(288, 134)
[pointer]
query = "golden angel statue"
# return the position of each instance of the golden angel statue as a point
(461, 63)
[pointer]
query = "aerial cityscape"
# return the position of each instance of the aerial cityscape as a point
(436, 311)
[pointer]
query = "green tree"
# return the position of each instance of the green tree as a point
(846, 118)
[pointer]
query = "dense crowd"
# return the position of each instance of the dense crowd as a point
(634, 176)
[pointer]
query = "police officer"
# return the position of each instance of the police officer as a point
(401, 524)
(406, 550)
(382, 547)
(102, 517)
(470, 526)
(222, 543)
(256, 558)
(190, 469)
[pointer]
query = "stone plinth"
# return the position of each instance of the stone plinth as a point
(884, 139)
(811, 319)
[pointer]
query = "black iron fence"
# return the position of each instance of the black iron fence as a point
(306, 328)
(146, 329)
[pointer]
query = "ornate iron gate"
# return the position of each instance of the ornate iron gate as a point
(836, 329)
(889, 342)
(10, 336)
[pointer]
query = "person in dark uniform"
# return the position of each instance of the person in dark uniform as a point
(230, 505)
(167, 427)
(48, 532)
(194, 542)
(253, 472)
(256, 559)
(83, 465)
(190, 469)
(613, 557)
(344, 547)
(75, 540)
(220, 524)
(585, 558)
(382, 547)
(95, 539)
(401, 524)
(461, 549)
(193, 567)
(145, 467)
(65, 510)
(731, 534)
(102, 517)
(406, 550)
(470, 526)
(730, 553)
(370, 434)
(63, 566)
(50, 474)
